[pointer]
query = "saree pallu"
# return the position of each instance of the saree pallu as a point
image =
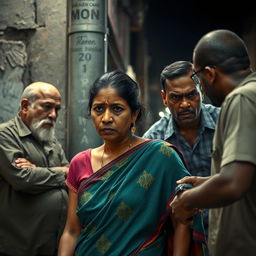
(124, 207)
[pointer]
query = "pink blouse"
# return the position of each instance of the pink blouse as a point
(80, 168)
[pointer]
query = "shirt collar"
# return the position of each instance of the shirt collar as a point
(23, 130)
(169, 128)
(248, 79)
(206, 122)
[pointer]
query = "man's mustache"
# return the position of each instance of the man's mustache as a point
(47, 121)
(44, 121)
(186, 111)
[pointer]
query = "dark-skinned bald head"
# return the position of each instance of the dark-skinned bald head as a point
(223, 49)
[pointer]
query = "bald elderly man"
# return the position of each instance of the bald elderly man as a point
(33, 167)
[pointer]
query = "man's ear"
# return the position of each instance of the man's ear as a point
(210, 74)
(163, 94)
(24, 105)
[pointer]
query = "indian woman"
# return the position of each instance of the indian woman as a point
(119, 192)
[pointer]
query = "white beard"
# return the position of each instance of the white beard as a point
(40, 133)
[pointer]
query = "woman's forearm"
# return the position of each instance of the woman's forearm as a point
(67, 244)
(182, 239)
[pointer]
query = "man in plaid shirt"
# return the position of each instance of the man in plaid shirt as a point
(190, 125)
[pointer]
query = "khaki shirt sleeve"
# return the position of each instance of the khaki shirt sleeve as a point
(238, 123)
(29, 180)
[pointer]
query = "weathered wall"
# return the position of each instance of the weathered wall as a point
(32, 48)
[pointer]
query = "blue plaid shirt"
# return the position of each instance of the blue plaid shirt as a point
(198, 157)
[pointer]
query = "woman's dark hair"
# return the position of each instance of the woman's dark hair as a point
(125, 86)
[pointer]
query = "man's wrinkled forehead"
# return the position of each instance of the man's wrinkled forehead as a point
(49, 95)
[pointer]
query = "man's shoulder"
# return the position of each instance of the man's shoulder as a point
(7, 125)
(158, 129)
(248, 89)
(210, 108)
(211, 111)
(249, 80)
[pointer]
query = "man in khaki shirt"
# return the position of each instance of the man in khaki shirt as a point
(33, 166)
(221, 61)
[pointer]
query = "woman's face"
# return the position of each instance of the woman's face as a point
(111, 115)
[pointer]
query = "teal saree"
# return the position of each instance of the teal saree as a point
(124, 207)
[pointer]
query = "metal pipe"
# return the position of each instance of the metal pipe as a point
(87, 37)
